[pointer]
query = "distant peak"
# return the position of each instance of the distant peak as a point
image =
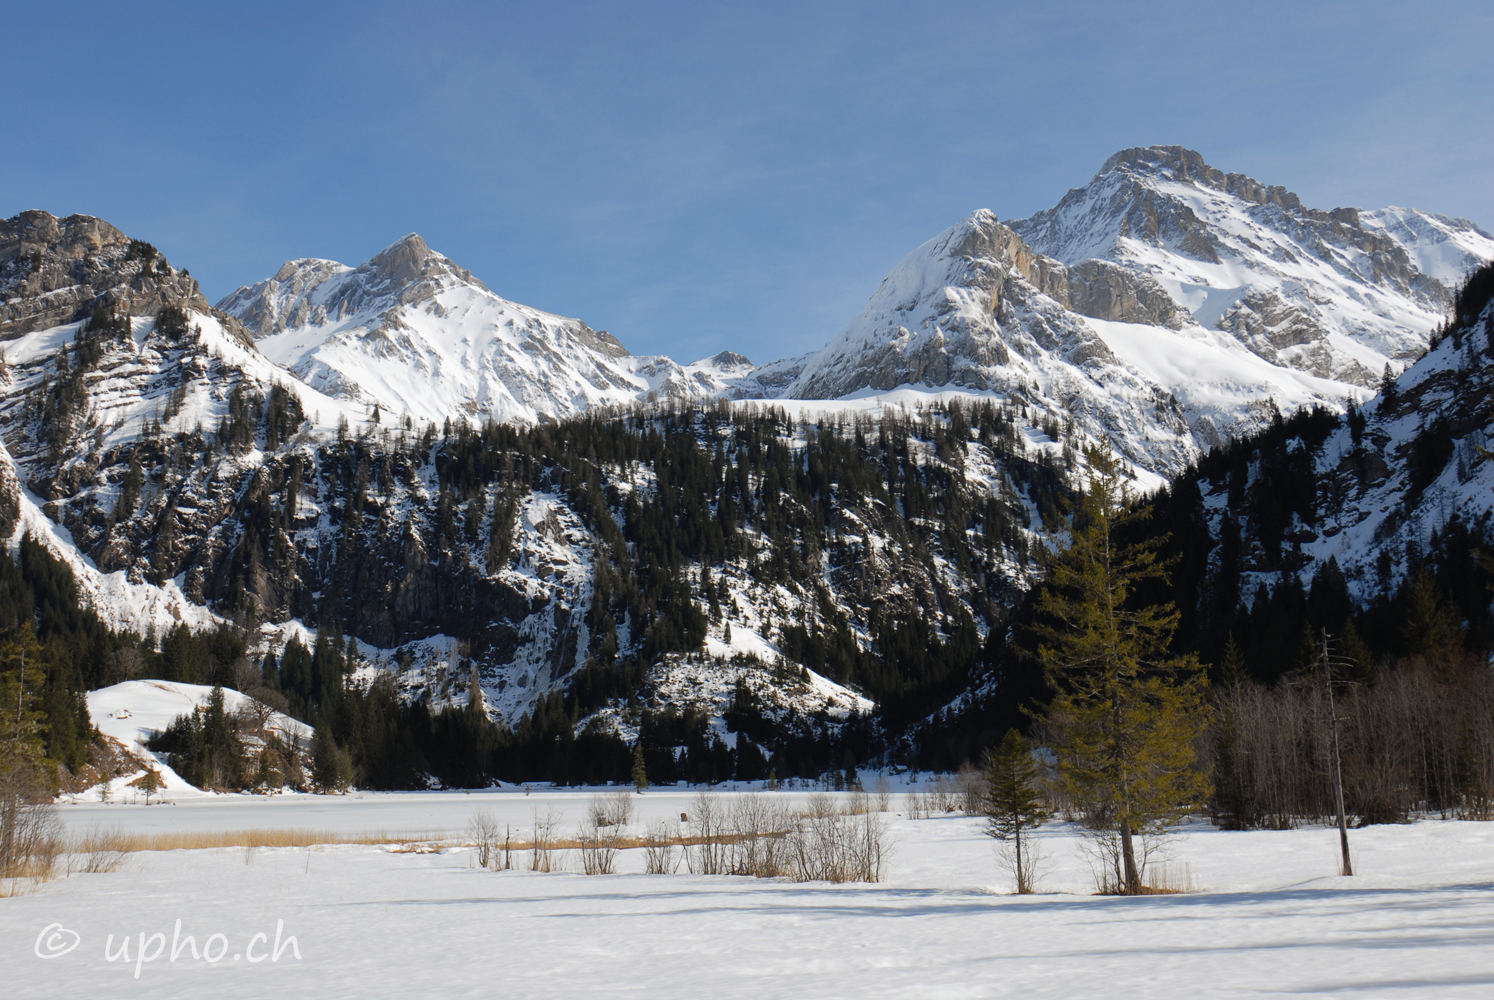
(1182, 162)
(409, 260)
(726, 359)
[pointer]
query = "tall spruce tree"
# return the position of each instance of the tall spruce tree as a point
(1126, 713)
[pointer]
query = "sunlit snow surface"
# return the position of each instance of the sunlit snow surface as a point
(1268, 916)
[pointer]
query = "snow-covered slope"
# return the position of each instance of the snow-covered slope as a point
(133, 711)
(1419, 464)
(976, 309)
(413, 333)
(123, 605)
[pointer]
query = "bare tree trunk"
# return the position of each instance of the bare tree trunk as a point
(1128, 859)
(1338, 780)
(1022, 885)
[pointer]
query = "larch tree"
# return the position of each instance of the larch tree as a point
(1126, 713)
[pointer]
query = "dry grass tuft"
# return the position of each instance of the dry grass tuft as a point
(1166, 879)
(197, 840)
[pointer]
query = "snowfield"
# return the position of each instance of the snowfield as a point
(1267, 916)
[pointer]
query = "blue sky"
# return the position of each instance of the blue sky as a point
(695, 177)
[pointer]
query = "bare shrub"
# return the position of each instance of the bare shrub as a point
(1102, 848)
(611, 809)
(545, 855)
(970, 784)
(942, 795)
(757, 827)
(100, 850)
(835, 844)
(707, 852)
(660, 849)
(884, 794)
(482, 830)
(31, 837)
(916, 805)
(598, 846)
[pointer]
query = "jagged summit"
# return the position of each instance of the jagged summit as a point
(312, 290)
(1182, 164)
(1167, 304)
(1336, 294)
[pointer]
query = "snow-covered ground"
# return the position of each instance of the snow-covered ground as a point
(1267, 916)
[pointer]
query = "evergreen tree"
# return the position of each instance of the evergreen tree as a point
(1013, 806)
(1232, 669)
(1429, 628)
(22, 721)
(1388, 393)
(640, 772)
(1126, 713)
(330, 765)
(149, 782)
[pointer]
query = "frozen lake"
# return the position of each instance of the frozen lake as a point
(437, 814)
(1268, 917)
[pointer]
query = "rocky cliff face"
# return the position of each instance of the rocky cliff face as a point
(55, 271)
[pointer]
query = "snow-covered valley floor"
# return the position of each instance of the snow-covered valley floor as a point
(1267, 916)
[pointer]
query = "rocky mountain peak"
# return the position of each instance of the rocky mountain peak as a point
(1178, 163)
(55, 271)
(727, 359)
(409, 263)
(1335, 294)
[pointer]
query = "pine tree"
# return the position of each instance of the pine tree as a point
(1013, 807)
(1232, 670)
(22, 719)
(329, 762)
(1388, 393)
(640, 773)
(149, 783)
(476, 703)
(1126, 714)
(1429, 628)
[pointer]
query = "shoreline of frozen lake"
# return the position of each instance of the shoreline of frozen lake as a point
(1269, 916)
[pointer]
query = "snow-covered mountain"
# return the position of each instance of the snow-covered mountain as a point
(204, 465)
(1337, 294)
(1166, 305)
(413, 333)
